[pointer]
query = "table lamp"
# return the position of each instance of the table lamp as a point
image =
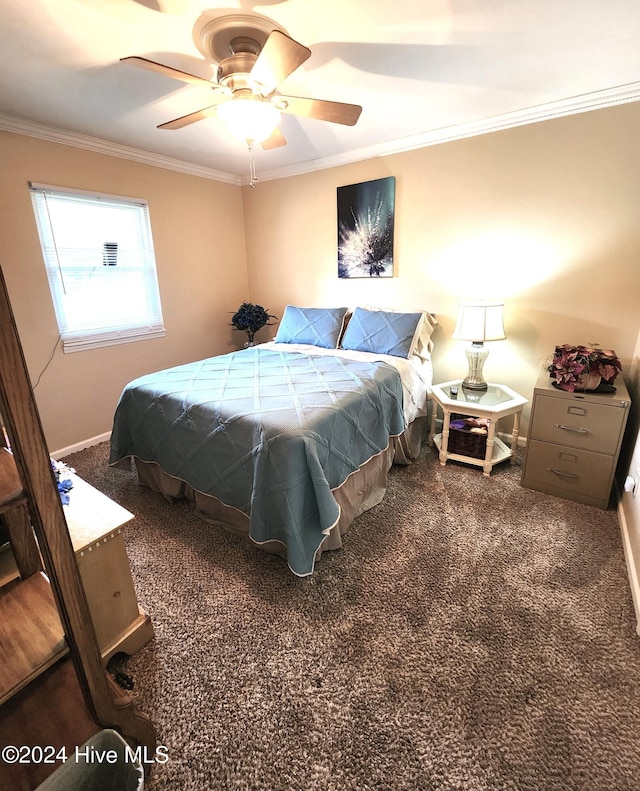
(478, 322)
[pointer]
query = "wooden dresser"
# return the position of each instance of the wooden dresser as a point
(574, 442)
(96, 526)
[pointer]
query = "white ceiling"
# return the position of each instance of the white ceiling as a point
(423, 71)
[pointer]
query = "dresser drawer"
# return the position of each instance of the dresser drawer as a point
(551, 468)
(580, 424)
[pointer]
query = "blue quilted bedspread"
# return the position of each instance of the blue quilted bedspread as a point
(268, 432)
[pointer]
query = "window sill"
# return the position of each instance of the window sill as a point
(70, 345)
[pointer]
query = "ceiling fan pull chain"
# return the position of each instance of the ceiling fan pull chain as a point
(252, 166)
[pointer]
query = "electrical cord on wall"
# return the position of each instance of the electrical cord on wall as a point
(55, 246)
(48, 363)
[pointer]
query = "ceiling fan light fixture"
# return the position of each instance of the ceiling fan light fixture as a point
(249, 119)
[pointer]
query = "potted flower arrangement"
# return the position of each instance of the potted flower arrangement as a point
(584, 368)
(250, 318)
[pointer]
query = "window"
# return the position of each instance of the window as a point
(98, 252)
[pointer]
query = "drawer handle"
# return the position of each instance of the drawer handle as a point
(563, 474)
(570, 428)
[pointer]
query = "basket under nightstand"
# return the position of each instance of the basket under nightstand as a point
(496, 402)
(467, 440)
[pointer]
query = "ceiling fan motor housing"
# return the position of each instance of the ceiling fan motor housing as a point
(233, 72)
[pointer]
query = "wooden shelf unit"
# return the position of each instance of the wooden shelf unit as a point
(30, 508)
(30, 624)
(14, 516)
(12, 493)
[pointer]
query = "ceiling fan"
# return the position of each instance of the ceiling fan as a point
(252, 62)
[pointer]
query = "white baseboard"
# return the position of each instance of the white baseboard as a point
(634, 582)
(87, 443)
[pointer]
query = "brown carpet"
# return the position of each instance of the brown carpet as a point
(472, 634)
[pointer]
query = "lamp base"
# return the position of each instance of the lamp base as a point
(476, 353)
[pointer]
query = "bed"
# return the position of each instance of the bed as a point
(286, 442)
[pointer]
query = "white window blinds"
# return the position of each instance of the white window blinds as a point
(98, 252)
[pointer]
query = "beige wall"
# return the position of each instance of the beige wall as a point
(545, 217)
(629, 509)
(198, 235)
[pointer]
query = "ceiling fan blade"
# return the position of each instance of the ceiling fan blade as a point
(275, 140)
(168, 71)
(191, 118)
(336, 112)
(279, 56)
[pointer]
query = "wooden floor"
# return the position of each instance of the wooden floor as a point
(51, 711)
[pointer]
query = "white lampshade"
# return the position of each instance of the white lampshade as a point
(480, 322)
(249, 118)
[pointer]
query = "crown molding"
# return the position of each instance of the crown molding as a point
(622, 94)
(597, 100)
(99, 146)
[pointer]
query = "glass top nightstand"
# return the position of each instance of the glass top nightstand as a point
(496, 402)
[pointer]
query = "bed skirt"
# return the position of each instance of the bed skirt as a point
(362, 490)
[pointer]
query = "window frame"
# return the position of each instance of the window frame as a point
(149, 324)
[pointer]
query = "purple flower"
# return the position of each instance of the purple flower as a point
(571, 363)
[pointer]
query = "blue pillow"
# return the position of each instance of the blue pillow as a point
(316, 326)
(382, 332)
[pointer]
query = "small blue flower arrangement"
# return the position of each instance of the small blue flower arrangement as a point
(63, 482)
(250, 318)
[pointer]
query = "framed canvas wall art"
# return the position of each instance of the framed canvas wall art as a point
(365, 228)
